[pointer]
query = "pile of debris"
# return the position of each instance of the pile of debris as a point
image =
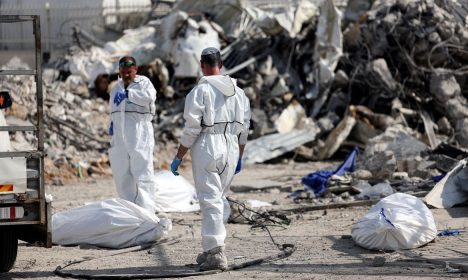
(406, 68)
(396, 76)
(408, 59)
(74, 144)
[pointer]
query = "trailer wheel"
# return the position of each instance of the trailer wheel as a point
(8, 248)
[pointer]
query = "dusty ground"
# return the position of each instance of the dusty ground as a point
(324, 249)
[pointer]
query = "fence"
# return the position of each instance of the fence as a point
(59, 16)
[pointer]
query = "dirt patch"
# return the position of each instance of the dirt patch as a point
(324, 247)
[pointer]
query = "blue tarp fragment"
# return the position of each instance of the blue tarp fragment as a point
(438, 178)
(316, 182)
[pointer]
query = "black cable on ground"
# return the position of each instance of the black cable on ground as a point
(287, 250)
(260, 217)
(259, 220)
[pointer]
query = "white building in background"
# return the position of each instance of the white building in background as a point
(58, 17)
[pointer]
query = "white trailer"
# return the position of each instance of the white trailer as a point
(24, 212)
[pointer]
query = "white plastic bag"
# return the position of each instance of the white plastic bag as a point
(112, 223)
(399, 221)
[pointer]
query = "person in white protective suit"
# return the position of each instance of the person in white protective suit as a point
(132, 107)
(217, 119)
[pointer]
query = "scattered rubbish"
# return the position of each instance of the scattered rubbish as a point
(316, 182)
(399, 221)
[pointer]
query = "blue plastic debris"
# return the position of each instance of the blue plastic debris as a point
(438, 178)
(449, 232)
(316, 182)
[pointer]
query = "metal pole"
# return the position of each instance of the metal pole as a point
(40, 114)
(49, 34)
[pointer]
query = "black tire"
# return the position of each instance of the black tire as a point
(8, 248)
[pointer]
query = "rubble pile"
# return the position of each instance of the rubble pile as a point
(75, 127)
(408, 59)
(390, 78)
(405, 68)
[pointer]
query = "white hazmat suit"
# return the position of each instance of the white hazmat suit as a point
(217, 115)
(131, 151)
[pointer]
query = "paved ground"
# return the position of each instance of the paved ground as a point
(324, 247)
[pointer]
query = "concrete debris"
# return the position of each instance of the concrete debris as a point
(379, 68)
(292, 117)
(376, 192)
(74, 144)
(389, 80)
(381, 165)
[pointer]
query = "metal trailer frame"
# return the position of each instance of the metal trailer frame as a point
(36, 228)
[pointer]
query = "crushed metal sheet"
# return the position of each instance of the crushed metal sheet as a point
(274, 145)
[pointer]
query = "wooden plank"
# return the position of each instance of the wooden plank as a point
(429, 127)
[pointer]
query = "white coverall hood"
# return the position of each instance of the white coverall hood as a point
(223, 83)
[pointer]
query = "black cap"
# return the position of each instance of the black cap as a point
(211, 56)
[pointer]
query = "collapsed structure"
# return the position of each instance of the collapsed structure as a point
(390, 78)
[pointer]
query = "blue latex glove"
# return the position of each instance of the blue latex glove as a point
(175, 165)
(111, 129)
(239, 166)
(119, 97)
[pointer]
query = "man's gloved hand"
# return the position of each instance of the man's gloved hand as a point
(239, 166)
(120, 96)
(175, 165)
(111, 129)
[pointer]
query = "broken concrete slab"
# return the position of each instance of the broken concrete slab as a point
(424, 169)
(382, 165)
(398, 140)
(292, 117)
